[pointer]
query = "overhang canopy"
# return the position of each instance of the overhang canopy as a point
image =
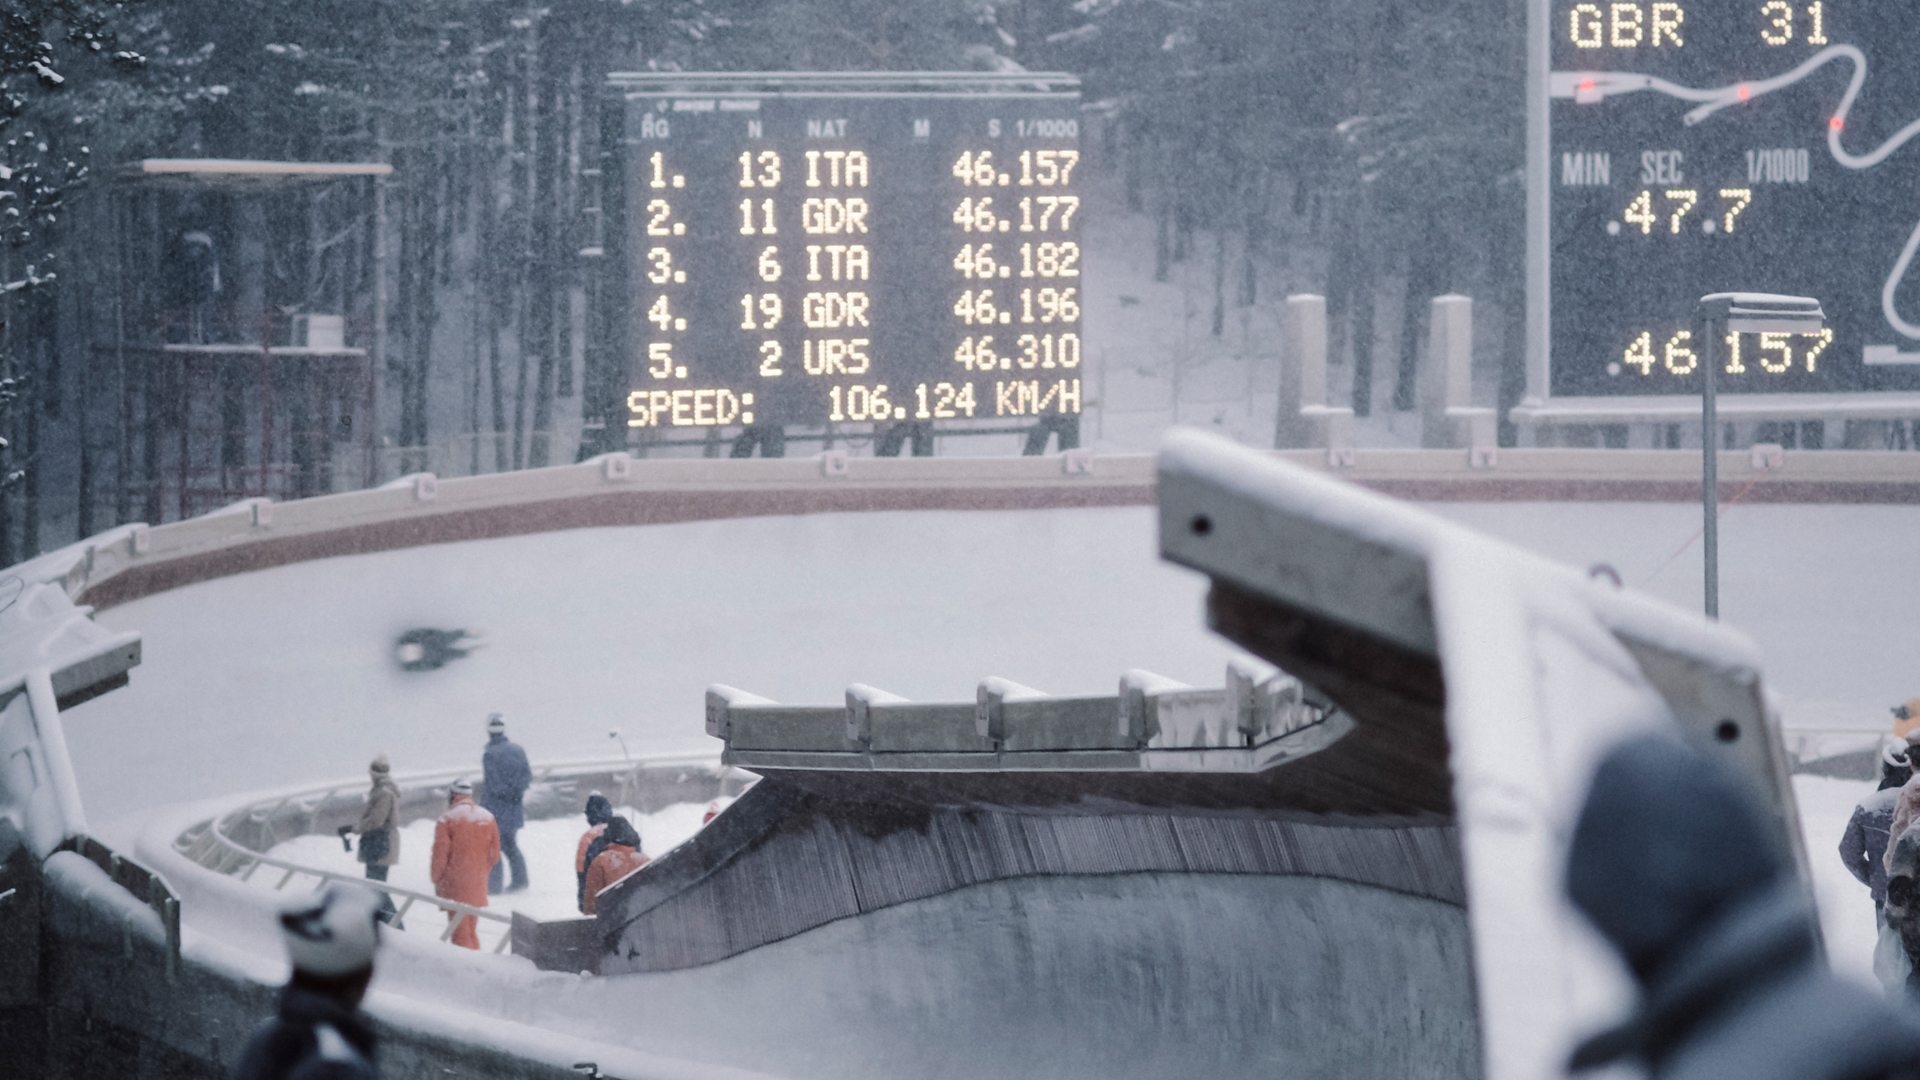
(242, 175)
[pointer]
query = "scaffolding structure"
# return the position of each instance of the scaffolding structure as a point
(223, 393)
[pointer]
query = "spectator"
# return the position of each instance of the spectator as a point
(1863, 847)
(319, 1032)
(599, 812)
(1678, 867)
(504, 779)
(379, 830)
(620, 857)
(466, 845)
(1902, 911)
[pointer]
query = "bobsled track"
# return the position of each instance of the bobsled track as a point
(1021, 813)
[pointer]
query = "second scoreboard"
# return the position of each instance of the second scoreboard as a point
(853, 253)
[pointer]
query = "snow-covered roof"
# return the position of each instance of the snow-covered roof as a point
(240, 173)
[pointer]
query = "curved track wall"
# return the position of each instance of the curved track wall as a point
(135, 561)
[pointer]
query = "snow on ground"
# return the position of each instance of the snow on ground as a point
(1846, 908)
(1828, 592)
(549, 846)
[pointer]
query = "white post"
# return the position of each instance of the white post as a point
(1303, 370)
(1446, 379)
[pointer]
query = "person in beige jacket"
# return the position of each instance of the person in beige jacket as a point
(379, 829)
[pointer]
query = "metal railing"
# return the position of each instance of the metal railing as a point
(1851, 753)
(211, 843)
(149, 887)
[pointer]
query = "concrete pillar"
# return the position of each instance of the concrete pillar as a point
(1303, 370)
(1446, 379)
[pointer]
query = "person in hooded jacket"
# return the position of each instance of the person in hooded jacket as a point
(379, 829)
(599, 812)
(1674, 862)
(504, 779)
(1863, 846)
(319, 1032)
(466, 845)
(620, 857)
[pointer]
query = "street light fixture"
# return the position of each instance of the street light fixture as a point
(1714, 317)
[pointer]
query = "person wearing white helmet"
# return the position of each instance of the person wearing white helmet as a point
(1863, 846)
(466, 845)
(319, 1032)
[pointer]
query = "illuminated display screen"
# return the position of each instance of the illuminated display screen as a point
(806, 257)
(1756, 146)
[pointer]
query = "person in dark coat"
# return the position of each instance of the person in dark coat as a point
(319, 1032)
(1675, 865)
(1863, 846)
(599, 812)
(504, 779)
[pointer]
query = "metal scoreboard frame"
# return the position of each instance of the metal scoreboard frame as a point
(1788, 159)
(811, 250)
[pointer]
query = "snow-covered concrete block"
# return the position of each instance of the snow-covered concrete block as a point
(721, 701)
(1173, 714)
(1137, 722)
(990, 705)
(616, 466)
(1303, 371)
(1446, 378)
(861, 700)
(753, 723)
(1332, 427)
(1265, 702)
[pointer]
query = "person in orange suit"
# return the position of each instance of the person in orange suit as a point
(599, 812)
(621, 856)
(466, 845)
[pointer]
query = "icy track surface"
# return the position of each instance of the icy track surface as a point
(1846, 908)
(285, 677)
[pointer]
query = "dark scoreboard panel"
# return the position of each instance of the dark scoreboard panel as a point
(804, 255)
(1700, 146)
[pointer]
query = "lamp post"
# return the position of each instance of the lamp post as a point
(1714, 317)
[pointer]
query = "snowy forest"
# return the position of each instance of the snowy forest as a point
(1369, 150)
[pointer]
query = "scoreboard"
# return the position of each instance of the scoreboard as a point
(1700, 146)
(811, 250)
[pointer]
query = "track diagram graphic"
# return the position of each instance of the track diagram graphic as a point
(1587, 88)
(1697, 147)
